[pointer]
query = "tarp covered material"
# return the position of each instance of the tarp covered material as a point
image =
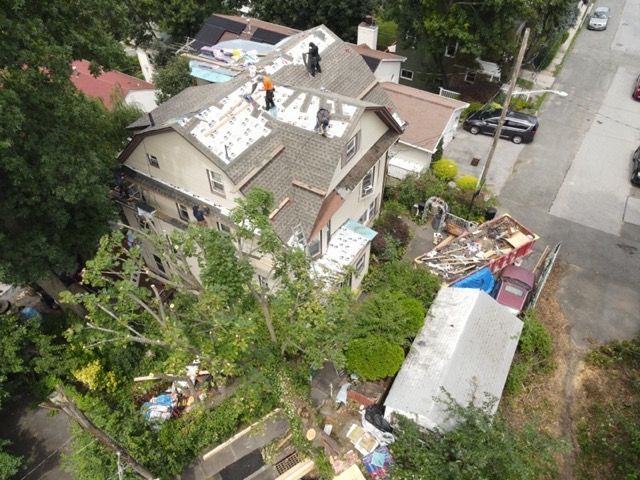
(483, 280)
(378, 463)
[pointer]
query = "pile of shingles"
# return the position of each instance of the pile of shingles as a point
(457, 256)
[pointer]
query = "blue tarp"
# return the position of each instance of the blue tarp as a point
(482, 280)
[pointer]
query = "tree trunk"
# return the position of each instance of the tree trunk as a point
(53, 286)
(60, 400)
(266, 311)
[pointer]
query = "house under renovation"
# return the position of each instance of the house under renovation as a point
(322, 151)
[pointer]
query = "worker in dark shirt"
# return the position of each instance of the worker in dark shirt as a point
(198, 214)
(267, 84)
(322, 121)
(314, 59)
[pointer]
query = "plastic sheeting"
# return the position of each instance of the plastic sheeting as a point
(378, 463)
(482, 280)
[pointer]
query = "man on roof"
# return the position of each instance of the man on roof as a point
(314, 59)
(267, 85)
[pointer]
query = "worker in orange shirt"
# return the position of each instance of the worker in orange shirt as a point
(267, 84)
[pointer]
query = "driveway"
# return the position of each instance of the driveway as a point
(571, 185)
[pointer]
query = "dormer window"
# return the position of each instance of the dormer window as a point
(153, 160)
(368, 182)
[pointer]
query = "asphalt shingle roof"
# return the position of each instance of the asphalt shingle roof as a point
(299, 154)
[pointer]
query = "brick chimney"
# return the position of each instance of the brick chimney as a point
(368, 33)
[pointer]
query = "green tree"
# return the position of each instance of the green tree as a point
(480, 446)
(480, 29)
(374, 357)
(196, 322)
(56, 146)
(341, 17)
(9, 464)
(172, 78)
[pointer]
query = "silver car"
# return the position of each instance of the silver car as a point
(599, 19)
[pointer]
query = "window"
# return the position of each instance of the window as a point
(264, 283)
(313, 249)
(153, 160)
(359, 265)
(406, 74)
(183, 213)
(352, 147)
(363, 218)
(451, 49)
(215, 182)
(373, 209)
(298, 235)
(470, 76)
(159, 264)
(223, 228)
(368, 182)
(515, 125)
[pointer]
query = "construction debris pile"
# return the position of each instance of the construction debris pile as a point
(496, 243)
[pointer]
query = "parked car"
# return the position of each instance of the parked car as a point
(599, 19)
(518, 127)
(514, 288)
(636, 89)
(635, 175)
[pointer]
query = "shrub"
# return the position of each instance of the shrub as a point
(472, 108)
(467, 182)
(534, 354)
(393, 225)
(386, 248)
(374, 358)
(391, 315)
(445, 169)
(408, 193)
(401, 276)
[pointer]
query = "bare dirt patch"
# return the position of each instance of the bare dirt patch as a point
(549, 399)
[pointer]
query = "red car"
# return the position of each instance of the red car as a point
(514, 288)
(636, 89)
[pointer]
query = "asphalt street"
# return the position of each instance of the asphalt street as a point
(571, 185)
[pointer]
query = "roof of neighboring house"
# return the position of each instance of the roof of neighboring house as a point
(426, 113)
(105, 85)
(220, 27)
(283, 154)
(464, 348)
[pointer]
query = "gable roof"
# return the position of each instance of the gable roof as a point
(220, 27)
(105, 85)
(282, 154)
(426, 113)
(465, 347)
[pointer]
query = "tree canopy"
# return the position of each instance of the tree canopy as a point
(57, 147)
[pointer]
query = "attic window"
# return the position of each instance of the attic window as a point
(406, 74)
(215, 182)
(470, 76)
(352, 146)
(153, 160)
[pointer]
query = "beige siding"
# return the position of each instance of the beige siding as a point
(371, 128)
(182, 165)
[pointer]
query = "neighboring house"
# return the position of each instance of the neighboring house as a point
(464, 350)
(209, 146)
(467, 77)
(112, 86)
(227, 44)
(430, 119)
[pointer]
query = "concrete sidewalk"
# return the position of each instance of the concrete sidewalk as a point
(547, 77)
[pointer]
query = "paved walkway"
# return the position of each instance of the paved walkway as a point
(547, 77)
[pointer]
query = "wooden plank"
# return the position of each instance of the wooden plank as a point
(308, 187)
(278, 208)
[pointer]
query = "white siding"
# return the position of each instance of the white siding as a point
(388, 71)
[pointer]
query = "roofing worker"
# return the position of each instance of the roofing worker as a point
(267, 84)
(314, 59)
(322, 121)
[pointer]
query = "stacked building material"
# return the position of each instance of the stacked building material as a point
(496, 243)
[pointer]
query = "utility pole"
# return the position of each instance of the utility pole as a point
(503, 114)
(61, 402)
